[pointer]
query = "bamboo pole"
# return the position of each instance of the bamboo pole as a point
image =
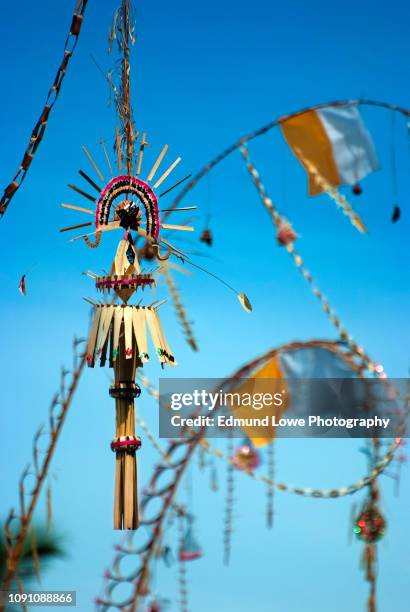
(125, 490)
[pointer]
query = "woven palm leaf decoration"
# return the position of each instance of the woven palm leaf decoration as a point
(125, 335)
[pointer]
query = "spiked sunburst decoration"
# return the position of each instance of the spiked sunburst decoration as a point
(120, 202)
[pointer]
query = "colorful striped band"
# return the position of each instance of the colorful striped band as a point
(126, 443)
(124, 184)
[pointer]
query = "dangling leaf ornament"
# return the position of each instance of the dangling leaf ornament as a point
(244, 302)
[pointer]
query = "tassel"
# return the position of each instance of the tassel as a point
(207, 237)
(357, 189)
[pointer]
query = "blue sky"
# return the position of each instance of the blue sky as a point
(203, 75)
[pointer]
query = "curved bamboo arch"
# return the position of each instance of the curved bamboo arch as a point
(139, 577)
(274, 123)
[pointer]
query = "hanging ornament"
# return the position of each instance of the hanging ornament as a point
(201, 458)
(285, 234)
(244, 302)
(182, 573)
(370, 525)
(357, 189)
(207, 237)
(214, 478)
(395, 214)
(166, 555)
(245, 457)
(189, 547)
(271, 487)
(22, 285)
(158, 604)
(147, 252)
(230, 488)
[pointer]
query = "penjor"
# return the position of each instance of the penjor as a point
(119, 331)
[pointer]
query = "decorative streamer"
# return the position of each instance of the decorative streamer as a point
(179, 307)
(370, 555)
(298, 261)
(270, 452)
(370, 527)
(182, 571)
(189, 549)
(310, 491)
(214, 476)
(230, 488)
(335, 195)
(201, 459)
(41, 125)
